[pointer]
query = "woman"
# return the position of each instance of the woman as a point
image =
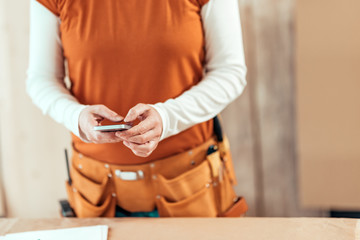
(170, 64)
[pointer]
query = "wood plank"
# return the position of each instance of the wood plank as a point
(271, 88)
(238, 127)
(274, 100)
(204, 228)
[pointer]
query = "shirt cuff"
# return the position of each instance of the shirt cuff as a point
(73, 125)
(164, 119)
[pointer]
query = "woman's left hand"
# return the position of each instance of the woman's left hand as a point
(143, 138)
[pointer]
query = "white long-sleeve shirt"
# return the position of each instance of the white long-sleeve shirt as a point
(224, 78)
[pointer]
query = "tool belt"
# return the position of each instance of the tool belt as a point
(195, 183)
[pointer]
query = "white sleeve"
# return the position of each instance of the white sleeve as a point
(225, 71)
(45, 80)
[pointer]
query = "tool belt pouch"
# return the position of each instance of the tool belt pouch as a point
(90, 196)
(204, 191)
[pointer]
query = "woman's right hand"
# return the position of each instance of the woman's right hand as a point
(92, 116)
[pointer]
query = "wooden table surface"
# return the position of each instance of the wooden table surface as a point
(202, 228)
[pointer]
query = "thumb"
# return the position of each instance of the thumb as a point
(105, 112)
(136, 111)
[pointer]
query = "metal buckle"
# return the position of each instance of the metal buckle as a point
(129, 176)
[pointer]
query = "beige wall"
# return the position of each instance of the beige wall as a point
(33, 166)
(2, 59)
(260, 124)
(328, 106)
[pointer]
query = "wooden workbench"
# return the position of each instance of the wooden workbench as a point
(202, 228)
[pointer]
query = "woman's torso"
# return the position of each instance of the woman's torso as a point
(124, 52)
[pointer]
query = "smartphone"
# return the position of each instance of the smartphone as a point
(113, 128)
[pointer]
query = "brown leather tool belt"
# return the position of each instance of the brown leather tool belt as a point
(195, 183)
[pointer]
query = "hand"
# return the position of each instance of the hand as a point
(143, 138)
(93, 116)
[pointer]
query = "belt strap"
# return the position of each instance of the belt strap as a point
(238, 209)
(217, 129)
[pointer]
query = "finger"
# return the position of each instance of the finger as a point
(136, 112)
(143, 138)
(143, 127)
(127, 144)
(105, 112)
(94, 120)
(101, 137)
(145, 148)
(139, 150)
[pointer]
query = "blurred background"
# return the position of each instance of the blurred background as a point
(294, 132)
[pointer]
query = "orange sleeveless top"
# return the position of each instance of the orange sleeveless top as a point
(124, 52)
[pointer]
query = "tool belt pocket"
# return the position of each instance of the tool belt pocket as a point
(204, 191)
(187, 195)
(200, 204)
(221, 182)
(90, 198)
